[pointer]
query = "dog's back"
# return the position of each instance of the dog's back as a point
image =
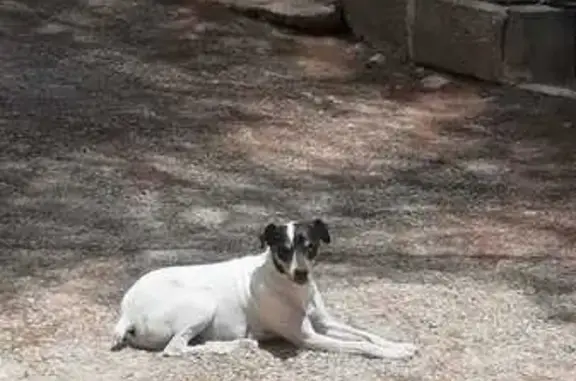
(147, 306)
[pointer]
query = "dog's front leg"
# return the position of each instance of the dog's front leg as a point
(309, 338)
(330, 326)
(335, 328)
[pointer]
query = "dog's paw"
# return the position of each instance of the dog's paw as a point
(248, 344)
(172, 352)
(227, 347)
(400, 351)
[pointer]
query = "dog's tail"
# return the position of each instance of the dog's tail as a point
(123, 329)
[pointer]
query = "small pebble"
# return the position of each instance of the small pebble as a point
(434, 82)
(376, 59)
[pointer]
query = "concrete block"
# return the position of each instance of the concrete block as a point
(540, 45)
(462, 36)
(380, 23)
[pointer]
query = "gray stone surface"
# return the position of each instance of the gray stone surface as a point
(379, 25)
(539, 45)
(318, 16)
(463, 36)
(513, 2)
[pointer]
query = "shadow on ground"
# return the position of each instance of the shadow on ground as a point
(156, 133)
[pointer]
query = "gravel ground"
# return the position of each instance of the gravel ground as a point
(140, 134)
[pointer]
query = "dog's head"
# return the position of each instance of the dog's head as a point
(294, 246)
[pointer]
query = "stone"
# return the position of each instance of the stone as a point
(434, 82)
(376, 60)
(52, 28)
(379, 25)
(314, 16)
(555, 91)
(540, 45)
(462, 36)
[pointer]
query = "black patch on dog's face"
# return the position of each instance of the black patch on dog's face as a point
(279, 241)
(284, 252)
(286, 241)
(307, 239)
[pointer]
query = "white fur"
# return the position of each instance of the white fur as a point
(297, 259)
(232, 303)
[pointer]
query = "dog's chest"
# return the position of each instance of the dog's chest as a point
(276, 309)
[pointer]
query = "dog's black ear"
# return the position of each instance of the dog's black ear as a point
(320, 230)
(268, 236)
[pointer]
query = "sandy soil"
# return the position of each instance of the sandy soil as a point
(140, 134)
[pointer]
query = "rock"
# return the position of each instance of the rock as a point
(52, 28)
(555, 91)
(463, 36)
(434, 82)
(539, 45)
(376, 60)
(314, 16)
(568, 348)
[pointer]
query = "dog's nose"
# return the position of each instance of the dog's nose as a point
(301, 276)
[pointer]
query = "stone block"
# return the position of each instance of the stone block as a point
(314, 16)
(540, 45)
(380, 23)
(462, 36)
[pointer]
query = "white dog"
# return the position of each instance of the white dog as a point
(220, 306)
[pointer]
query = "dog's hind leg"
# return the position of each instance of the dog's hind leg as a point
(190, 319)
(222, 347)
(122, 331)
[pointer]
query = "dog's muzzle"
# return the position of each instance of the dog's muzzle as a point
(300, 276)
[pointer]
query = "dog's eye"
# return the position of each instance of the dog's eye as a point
(284, 253)
(311, 250)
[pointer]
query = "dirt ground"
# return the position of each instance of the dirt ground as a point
(145, 133)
